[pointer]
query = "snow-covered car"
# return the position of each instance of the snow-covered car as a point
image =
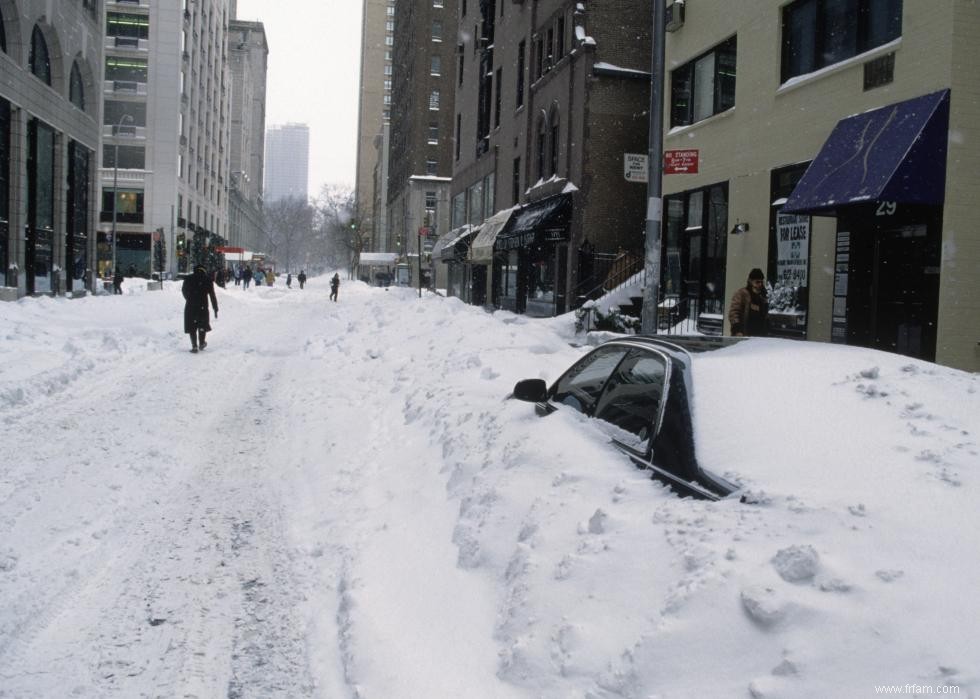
(640, 390)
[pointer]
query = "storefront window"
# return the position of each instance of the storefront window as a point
(476, 203)
(459, 210)
(40, 219)
(789, 259)
(4, 187)
(76, 238)
(695, 252)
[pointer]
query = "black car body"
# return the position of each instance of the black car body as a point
(640, 389)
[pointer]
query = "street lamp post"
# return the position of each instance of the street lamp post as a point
(115, 187)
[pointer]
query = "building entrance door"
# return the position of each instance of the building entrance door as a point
(893, 299)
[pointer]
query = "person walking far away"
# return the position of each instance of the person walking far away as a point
(301, 278)
(117, 280)
(749, 307)
(246, 277)
(197, 288)
(334, 286)
(289, 280)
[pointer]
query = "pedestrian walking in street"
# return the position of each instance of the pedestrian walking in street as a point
(270, 277)
(749, 307)
(197, 289)
(246, 277)
(301, 278)
(258, 276)
(334, 286)
(117, 280)
(289, 280)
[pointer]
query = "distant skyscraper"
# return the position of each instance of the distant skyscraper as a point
(287, 162)
(377, 39)
(248, 53)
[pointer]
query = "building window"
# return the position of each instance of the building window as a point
(459, 210)
(538, 58)
(705, 86)
(553, 142)
(819, 33)
(459, 126)
(436, 30)
(390, 25)
(475, 203)
(389, 41)
(437, 3)
(516, 181)
(521, 51)
(130, 157)
(125, 69)
(76, 88)
(389, 69)
(496, 105)
(431, 166)
(433, 134)
(3, 47)
(129, 206)
(114, 111)
(388, 85)
(39, 61)
(434, 101)
(435, 65)
(4, 186)
(118, 24)
(539, 146)
(560, 39)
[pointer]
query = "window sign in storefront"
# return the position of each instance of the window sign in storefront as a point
(787, 300)
(789, 260)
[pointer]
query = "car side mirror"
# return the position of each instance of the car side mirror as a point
(531, 390)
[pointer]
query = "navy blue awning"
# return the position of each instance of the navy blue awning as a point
(895, 153)
(541, 221)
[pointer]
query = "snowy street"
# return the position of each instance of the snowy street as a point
(335, 500)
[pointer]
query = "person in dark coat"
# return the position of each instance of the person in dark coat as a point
(289, 280)
(334, 286)
(246, 277)
(196, 289)
(117, 280)
(749, 308)
(301, 278)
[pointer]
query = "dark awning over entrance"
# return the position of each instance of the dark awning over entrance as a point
(543, 221)
(896, 153)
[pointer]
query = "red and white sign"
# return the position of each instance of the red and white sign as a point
(424, 231)
(681, 162)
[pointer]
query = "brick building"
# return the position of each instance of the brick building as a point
(550, 98)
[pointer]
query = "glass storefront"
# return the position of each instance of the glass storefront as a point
(39, 248)
(77, 233)
(4, 188)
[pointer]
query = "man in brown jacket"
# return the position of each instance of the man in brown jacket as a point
(750, 306)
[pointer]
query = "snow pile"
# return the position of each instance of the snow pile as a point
(335, 499)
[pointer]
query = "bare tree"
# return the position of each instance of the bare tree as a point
(340, 239)
(289, 227)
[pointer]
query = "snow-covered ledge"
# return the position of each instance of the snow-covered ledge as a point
(8, 293)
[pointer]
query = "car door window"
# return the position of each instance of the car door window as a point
(581, 385)
(630, 403)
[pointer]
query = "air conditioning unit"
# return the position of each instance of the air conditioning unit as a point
(674, 18)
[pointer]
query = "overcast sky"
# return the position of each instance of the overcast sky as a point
(314, 68)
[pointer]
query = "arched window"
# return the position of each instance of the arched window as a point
(553, 141)
(39, 61)
(542, 137)
(76, 88)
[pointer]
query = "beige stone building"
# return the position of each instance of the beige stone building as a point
(837, 147)
(50, 116)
